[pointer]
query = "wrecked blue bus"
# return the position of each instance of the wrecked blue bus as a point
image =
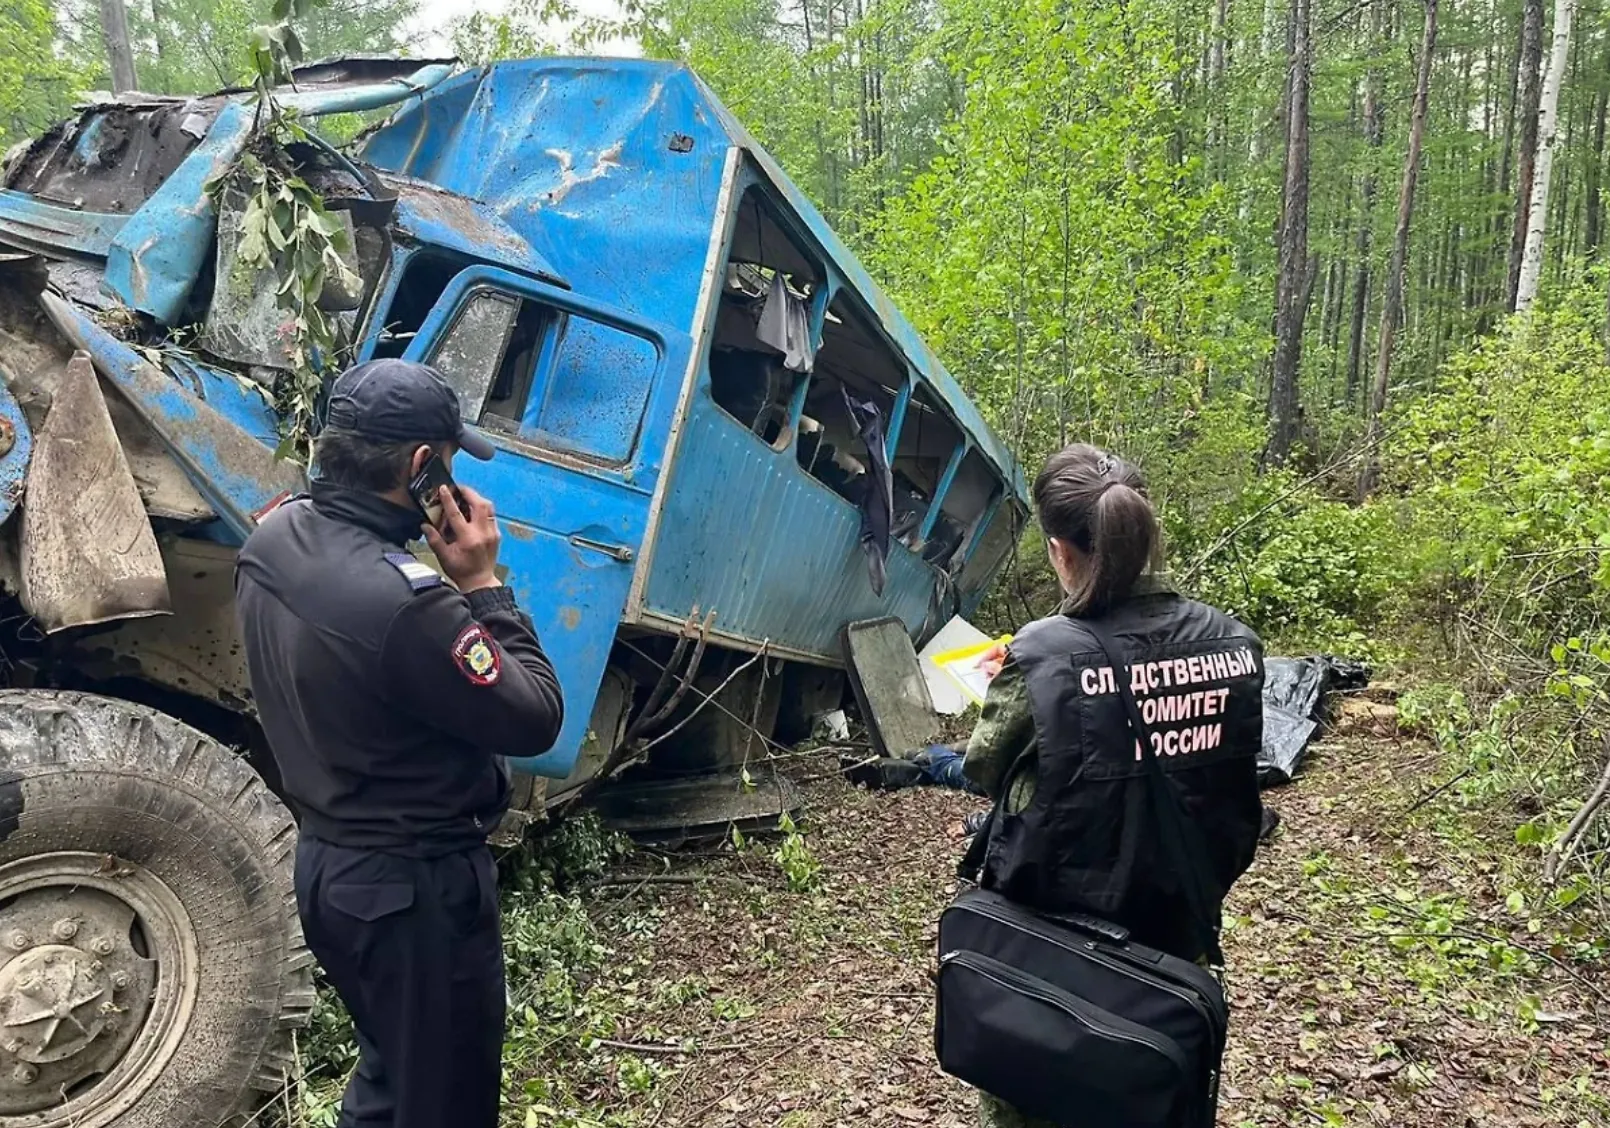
(718, 444)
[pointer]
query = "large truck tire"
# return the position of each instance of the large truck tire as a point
(151, 965)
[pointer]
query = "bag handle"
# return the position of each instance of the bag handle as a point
(1179, 835)
(972, 863)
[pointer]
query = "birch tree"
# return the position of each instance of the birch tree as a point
(1547, 130)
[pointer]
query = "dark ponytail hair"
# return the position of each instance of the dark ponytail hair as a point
(1097, 503)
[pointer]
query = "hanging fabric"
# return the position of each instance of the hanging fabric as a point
(877, 503)
(785, 325)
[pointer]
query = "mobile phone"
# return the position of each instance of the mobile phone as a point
(426, 489)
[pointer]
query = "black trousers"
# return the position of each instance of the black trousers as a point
(413, 947)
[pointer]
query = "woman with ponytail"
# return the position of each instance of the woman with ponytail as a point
(1074, 831)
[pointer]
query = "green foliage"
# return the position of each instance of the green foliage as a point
(793, 856)
(1303, 569)
(1059, 253)
(565, 855)
(286, 233)
(37, 84)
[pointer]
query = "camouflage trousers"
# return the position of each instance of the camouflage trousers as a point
(996, 1113)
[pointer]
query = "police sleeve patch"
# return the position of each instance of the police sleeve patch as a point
(476, 655)
(420, 577)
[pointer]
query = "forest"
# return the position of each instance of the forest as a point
(1333, 272)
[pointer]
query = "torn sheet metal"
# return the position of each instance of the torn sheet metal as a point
(113, 156)
(360, 69)
(889, 686)
(87, 553)
(54, 231)
(318, 100)
(155, 259)
(231, 468)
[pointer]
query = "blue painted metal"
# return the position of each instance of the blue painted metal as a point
(613, 168)
(30, 224)
(313, 102)
(897, 418)
(773, 553)
(573, 528)
(214, 430)
(19, 447)
(942, 489)
(155, 259)
(441, 221)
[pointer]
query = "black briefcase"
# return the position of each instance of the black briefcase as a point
(1071, 1022)
(1063, 1016)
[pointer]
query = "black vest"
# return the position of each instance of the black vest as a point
(1087, 841)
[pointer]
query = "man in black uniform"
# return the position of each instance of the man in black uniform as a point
(388, 698)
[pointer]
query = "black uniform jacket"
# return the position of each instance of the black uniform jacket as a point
(1087, 839)
(387, 697)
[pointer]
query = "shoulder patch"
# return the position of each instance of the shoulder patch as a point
(420, 577)
(476, 654)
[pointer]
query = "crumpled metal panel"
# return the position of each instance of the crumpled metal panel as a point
(154, 260)
(220, 433)
(441, 219)
(575, 155)
(53, 231)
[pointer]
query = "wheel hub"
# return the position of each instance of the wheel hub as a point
(74, 992)
(51, 999)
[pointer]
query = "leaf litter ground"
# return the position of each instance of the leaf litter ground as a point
(1380, 973)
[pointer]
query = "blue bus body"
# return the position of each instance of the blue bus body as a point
(592, 250)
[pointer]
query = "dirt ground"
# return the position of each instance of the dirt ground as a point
(1380, 973)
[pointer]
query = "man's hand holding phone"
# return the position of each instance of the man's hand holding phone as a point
(466, 545)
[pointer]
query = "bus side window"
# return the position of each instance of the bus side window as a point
(768, 277)
(854, 361)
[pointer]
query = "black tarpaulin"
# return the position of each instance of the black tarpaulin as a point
(1293, 706)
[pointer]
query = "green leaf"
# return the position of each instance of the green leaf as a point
(1530, 834)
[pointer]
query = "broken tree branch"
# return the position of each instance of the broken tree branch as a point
(1562, 849)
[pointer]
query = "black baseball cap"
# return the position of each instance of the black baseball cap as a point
(397, 401)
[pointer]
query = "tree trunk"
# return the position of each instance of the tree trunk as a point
(1547, 124)
(115, 30)
(1215, 77)
(1366, 223)
(1294, 287)
(1525, 164)
(1392, 302)
(1596, 164)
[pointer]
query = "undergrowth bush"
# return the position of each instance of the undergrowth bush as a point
(1308, 572)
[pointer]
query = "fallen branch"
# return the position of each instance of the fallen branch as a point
(1432, 794)
(1573, 833)
(844, 770)
(657, 1048)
